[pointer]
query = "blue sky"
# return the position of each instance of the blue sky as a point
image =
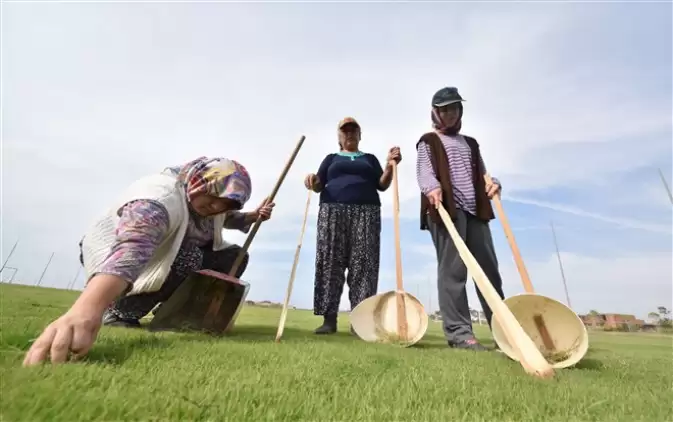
(570, 102)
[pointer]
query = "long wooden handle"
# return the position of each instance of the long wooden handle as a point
(288, 293)
(520, 266)
(396, 222)
(530, 356)
(401, 306)
(216, 302)
(270, 198)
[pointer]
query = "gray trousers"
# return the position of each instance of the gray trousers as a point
(452, 273)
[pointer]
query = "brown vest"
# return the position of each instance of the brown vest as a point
(440, 164)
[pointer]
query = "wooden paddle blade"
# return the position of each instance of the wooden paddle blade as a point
(530, 356)
(186, 309)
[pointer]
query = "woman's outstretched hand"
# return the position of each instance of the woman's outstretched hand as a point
(72, 335)
(69, 337)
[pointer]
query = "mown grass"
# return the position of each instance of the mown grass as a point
(133, 375)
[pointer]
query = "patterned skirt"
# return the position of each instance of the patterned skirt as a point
(348, 239)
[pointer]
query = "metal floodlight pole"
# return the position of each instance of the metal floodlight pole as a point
(45, 269)
(10, 254)
(16, 270)
(13, 274)
(668, 190)
(560, 263)
(429, 295)
(74, 279)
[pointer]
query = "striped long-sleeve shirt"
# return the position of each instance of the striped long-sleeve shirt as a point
(460, 159)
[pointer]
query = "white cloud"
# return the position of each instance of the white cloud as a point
(624, 222)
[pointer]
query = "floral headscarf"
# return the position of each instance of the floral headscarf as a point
(219, 177)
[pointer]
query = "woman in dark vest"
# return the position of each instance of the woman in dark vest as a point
(450, 171)
(349, 223)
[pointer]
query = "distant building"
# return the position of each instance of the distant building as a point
(613, 321)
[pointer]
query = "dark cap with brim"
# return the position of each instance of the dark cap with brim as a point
(446, 96)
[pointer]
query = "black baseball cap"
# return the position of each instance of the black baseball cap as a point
(446, 96)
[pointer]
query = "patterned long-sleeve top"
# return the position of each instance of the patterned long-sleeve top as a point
(460, 159)
(143, 225)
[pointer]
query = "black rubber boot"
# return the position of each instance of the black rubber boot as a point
(329, 326)
(471, 344)
(112, 320)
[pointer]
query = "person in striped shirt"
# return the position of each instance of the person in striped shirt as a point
(450, 170)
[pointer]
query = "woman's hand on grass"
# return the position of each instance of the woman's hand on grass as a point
(70, 336)
(73, 334)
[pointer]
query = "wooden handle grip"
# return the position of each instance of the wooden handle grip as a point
(521, 267)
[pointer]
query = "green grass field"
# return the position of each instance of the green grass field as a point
(133, 375)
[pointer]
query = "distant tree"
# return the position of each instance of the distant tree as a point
(654, 317)
(593, 312)
(664, 317)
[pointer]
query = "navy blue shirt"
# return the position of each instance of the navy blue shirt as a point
(350, 180)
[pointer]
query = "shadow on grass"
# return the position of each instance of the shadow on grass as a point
(107, 349)
(117, 351)
(265, 333)
(251, 334)
(590, 364)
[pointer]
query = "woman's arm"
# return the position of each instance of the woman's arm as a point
(425, 174)
(142, 226)
(238, 220)
(386, 176)
(494, 180)
(321, 181)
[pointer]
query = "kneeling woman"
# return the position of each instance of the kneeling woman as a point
(136, 255)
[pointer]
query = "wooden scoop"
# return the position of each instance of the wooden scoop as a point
(529, 356)
(208, 301)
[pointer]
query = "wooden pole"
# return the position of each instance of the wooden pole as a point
(402, 327)
(218, 297)
(288, 293)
